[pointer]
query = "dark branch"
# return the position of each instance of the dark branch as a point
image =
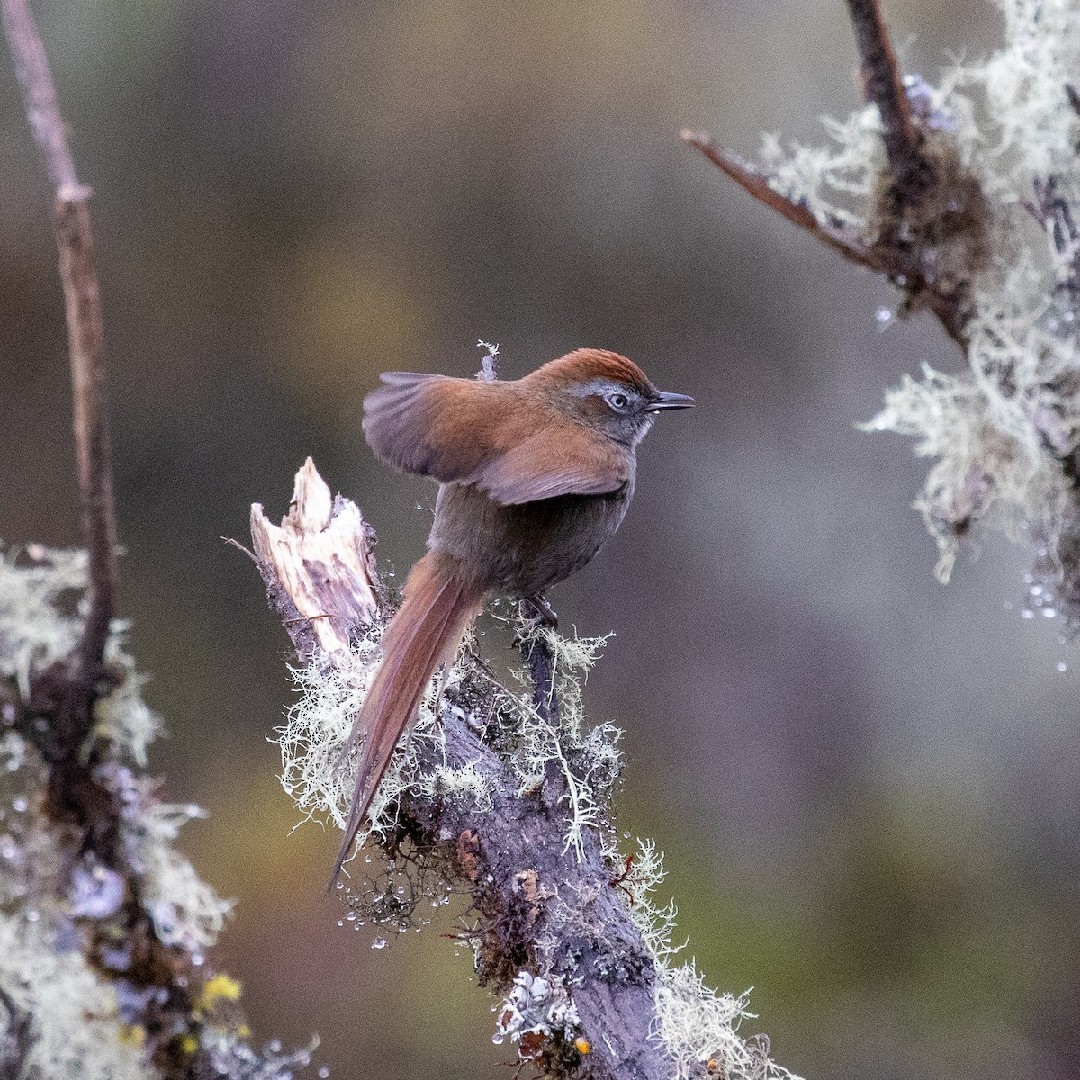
(1074, 97)
(536, 651)
(884, 86)
(82, 300)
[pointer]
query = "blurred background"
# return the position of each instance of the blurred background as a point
(865, 782)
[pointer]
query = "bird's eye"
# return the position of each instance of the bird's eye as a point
(617, 401)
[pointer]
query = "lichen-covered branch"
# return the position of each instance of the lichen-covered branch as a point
(936, 188)
(104, 926)
(505, 799)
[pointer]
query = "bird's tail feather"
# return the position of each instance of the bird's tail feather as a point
(439, 606)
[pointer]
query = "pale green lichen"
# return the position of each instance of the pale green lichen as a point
(73, 1028)
(1001, 431)
(696, 1025)
(62, 1015)
(815, 176)
(536, 1005)
(42, 609)
(700, 1029)
(40, 594)
(316, 730)
(656, 921)
(980, 473)
(318, 776)
(123, 717)
(1017, 94)
(320, 779)
(186, 911)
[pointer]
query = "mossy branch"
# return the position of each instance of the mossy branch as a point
(491, 850)
(934, 187)
(103, 925)
(504, 798)
(925, 198)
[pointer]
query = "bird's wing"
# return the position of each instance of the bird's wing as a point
(437, 426)
(470, 432)
(562, 460)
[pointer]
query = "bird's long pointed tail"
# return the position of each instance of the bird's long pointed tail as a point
(439, 606)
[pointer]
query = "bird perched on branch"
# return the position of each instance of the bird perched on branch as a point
(534, 476)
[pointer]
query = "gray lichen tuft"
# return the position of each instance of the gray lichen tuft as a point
(103, 973)
(59, 1020)
(994, 249)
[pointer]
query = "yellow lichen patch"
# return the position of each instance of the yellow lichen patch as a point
(581, 1045)
(219, 988)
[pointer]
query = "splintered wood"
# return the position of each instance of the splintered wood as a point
(319, 559)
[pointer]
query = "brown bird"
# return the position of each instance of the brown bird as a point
(534, 476)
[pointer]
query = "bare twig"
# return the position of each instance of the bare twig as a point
(756, 182)
(60, 714)
(39, 93)
(82, 299)
(884, 86)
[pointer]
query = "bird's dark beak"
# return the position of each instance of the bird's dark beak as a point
(667, 400)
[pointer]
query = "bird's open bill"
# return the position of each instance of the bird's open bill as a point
(667, 400)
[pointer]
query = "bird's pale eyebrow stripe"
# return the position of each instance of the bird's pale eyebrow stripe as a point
(601, 387)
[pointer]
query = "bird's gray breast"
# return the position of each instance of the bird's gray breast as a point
(526, 548)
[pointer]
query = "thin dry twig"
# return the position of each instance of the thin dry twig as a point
(86, 808)
(756, 182)
(82, 301)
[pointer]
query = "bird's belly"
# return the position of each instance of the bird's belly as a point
(524, 549)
